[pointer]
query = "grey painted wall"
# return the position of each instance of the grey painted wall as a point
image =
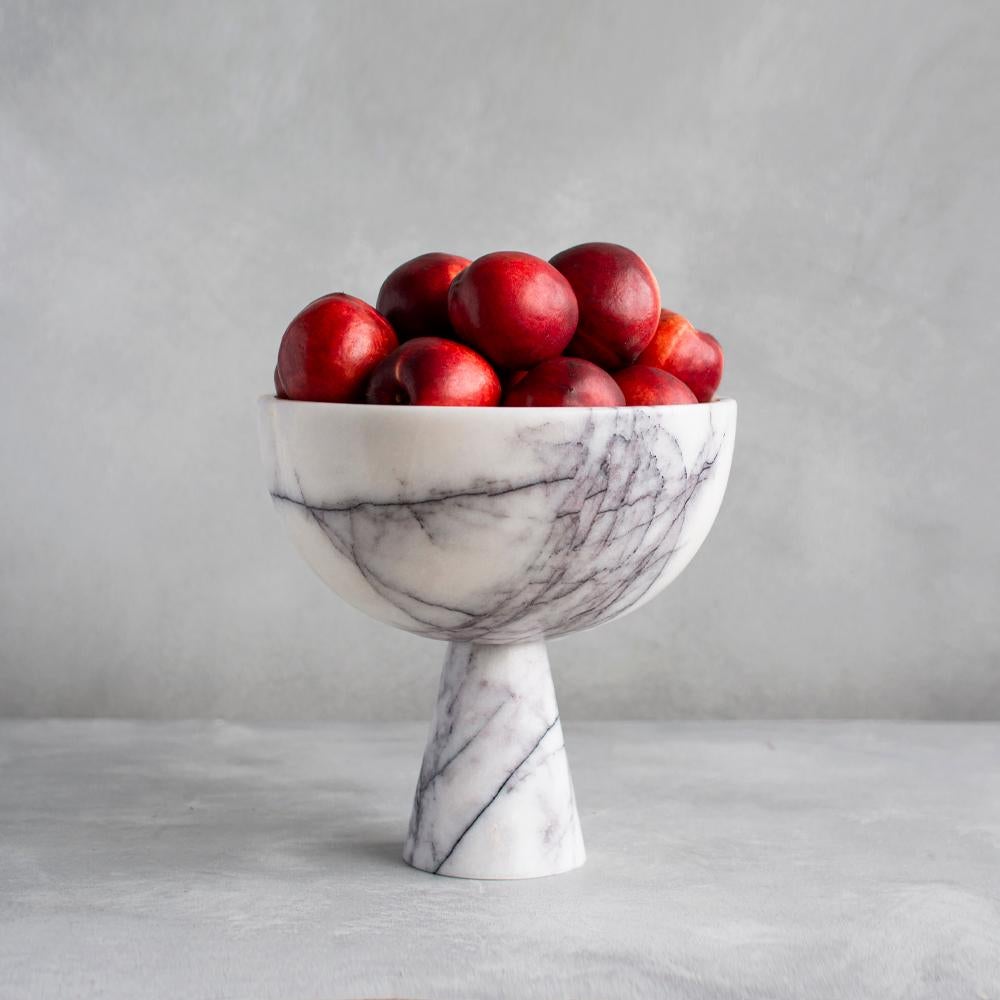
(814, 182)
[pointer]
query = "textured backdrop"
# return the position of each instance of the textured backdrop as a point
(815, 183)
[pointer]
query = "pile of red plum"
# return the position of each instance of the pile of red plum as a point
(585, 328)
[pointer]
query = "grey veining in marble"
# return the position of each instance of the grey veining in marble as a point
(496, 528)
(494, 798)
(728, 860)
(497, 525)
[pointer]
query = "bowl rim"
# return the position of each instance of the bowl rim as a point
(270, 398)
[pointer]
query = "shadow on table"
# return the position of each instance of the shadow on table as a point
(374, 852)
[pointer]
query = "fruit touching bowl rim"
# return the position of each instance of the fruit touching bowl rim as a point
(491, 409)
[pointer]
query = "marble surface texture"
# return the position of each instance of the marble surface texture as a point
(492, 524)
(494, 798)
(727, 860)
(494, 527)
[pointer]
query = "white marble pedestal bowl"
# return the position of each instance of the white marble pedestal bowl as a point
(495, 529)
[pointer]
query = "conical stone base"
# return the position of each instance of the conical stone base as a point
(495, 798)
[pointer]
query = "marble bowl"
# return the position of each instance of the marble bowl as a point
(495, 529)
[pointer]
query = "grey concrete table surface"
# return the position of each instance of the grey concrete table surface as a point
(764, 860)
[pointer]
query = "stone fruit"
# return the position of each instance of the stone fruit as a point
(432, 371)
(414, 298)
(329, 349)
(565, 382)
(642, 385)
(514, 308)
(691, 355)
(619, 302)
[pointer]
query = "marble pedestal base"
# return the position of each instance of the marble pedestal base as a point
(495, 798)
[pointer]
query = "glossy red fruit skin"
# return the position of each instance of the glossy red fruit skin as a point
(565, 382)
(279, 389)
(330, 349)
(432, 371)
(693, 356)
(619, 302)
(643, 385)
(514, 308)
(414, 298)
